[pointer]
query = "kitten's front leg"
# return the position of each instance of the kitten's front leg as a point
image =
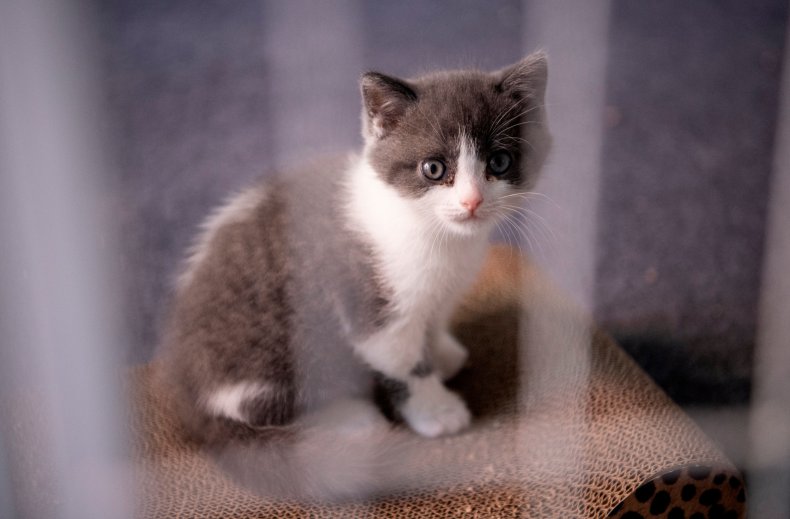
(447, 354)
(398, 353)
(432, 410)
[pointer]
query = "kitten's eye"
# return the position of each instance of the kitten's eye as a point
(433, 169)
(499, 163)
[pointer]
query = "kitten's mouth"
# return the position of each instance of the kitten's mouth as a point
(467, 222)
(462, 219)
(468, 217)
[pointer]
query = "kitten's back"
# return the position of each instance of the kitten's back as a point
(259, 326)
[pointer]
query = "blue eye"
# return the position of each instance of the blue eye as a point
(499, 163)
(433, 169)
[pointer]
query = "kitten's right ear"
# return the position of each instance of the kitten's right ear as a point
(385, 99)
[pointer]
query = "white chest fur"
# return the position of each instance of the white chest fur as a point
(427, 266)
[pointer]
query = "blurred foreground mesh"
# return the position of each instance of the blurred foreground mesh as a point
(617, 429)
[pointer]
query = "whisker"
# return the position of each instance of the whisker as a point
(517, 140)
(527, 213)
(544, 229)
(436, 229)
(435, 128)
(433, 231)
(537, 215)
(522, 123)
(517, 115)
(501, 117)
(536, 247)
(514, 224)
(540, 233)
(527, 195)
(509, 238)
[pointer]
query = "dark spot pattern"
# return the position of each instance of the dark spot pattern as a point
(688, 492)
(676, 513)
(633, 515)
(672, 496)
(710, 496)
(699, 473)
(670, 478)
(645, 492)
(660, 503)
(717, 512)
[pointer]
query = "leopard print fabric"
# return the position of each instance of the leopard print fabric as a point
(693, 492)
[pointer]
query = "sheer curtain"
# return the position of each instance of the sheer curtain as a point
(61, 421)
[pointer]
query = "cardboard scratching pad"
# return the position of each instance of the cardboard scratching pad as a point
(565, 425)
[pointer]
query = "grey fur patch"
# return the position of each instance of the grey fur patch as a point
(503, 110)
(390, 394)
(233, 320)
(422, 369)
(425, 366)
(277, 299)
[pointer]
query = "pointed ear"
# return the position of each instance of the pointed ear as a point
(385, 99)
(527, 78)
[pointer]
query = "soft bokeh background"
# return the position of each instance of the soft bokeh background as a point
(204, 97)
(679, 112)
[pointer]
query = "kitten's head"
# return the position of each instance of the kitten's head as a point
(457, 143)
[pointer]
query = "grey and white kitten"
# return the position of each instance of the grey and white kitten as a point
(314, 286)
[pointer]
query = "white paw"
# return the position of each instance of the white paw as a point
(432, 410)
(448, 355)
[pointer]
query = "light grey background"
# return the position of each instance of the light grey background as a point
(203, 97)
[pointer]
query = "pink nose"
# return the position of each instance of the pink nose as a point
(471, 203)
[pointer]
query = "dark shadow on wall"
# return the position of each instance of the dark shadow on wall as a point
(693, 372)
(692, 99)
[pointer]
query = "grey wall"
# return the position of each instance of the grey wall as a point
(692, 103)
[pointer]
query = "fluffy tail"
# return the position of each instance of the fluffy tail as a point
(345, 452)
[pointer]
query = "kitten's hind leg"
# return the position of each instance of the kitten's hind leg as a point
(348, 416)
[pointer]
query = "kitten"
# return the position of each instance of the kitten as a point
(309, 288)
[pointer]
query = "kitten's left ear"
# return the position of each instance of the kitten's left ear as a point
(527, 78)
(385, 100)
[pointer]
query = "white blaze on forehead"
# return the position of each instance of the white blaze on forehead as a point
(470, 173)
